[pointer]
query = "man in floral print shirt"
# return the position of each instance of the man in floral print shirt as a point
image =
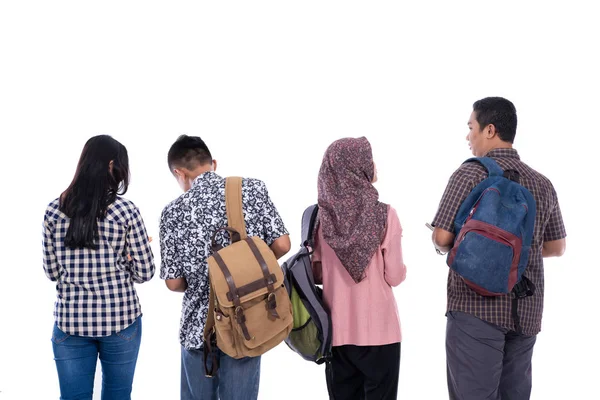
(186, 228)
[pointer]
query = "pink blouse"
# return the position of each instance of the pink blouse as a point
(365, 313)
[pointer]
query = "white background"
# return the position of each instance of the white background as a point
(269, 85)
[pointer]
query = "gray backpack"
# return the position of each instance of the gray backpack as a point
(311, 332)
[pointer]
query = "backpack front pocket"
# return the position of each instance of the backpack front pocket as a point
(259, 328)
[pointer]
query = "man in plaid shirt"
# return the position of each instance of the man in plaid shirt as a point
(488, 357)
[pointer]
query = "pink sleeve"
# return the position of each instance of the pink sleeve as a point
(394, 268)
(317, 267)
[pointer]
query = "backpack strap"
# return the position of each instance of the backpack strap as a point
(309, 219)
(524, 288)
(209, 346)
(237, 230)
(489, 163)
(233, 204)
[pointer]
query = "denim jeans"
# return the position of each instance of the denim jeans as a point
(76, 358)
(236, 379)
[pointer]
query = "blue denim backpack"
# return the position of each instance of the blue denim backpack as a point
(493, 232)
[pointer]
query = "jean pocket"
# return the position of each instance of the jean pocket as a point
(58, 335)
(131, 331)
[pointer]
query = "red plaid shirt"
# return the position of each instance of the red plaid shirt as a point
(548, 226)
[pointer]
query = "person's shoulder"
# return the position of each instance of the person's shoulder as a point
(254, 185)
(122, 202)
(252, 182)
(53, 210)
(470, 169)
(391, 211)
(392, 217)
(541, 179)
(175, 205)
(122, 211)
(467, 173)
(54, 204)
(123, 207)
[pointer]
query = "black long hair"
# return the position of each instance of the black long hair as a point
(94, 187)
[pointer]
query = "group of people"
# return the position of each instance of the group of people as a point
(96, 247)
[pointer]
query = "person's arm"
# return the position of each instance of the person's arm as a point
(317, 265)
(554, 248)
(394, 267)
(458, 188)
(281, 246)
(177, 284)
(171, 265)
(554, 233)
(442, 239)
(51, 266)
(141, 258)
(274, 232)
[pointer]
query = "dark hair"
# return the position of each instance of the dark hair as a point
(94, 188)
(499, 112)
(188, 152)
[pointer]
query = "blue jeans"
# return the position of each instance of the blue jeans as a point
(236, 379)
(76, 358)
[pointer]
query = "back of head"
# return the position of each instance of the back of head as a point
(499, 112)
(102, 173)
(188, 152)
(349, 159)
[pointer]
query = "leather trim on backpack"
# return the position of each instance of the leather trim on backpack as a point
(251, 287)
(239, 310)
(271, 302)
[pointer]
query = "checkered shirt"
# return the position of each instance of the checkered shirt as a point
(95, 292)
(548, 226)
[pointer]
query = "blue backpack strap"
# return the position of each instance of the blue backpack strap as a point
(492, 166)
(309, 219)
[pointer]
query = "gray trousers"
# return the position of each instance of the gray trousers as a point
(486, 362)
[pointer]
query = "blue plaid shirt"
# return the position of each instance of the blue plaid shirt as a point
(95, 291)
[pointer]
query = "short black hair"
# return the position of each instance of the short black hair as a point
(188, 152)
(499, 112)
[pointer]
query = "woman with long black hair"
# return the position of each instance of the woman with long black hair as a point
(95, 248)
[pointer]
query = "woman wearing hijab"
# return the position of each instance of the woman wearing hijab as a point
(358, 259)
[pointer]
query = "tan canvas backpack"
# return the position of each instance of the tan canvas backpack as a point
(250, 310)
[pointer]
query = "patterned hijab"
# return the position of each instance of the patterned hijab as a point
(351, 217)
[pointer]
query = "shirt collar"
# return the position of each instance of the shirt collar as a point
(503, 153)
(209, 177)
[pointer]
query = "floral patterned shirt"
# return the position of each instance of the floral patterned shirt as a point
(187, 225)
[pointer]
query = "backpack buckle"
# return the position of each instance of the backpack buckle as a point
(513, 175)
(239, 315)
(272, 306)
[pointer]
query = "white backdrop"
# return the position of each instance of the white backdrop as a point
(268, 85)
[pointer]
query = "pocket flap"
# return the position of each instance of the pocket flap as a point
(238, 264)
(262, 328)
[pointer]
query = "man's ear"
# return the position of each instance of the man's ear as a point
(111, 165)
(214, 165)
(178, 173)
(490, 131)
